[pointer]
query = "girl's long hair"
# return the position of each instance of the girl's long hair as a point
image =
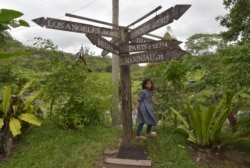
(145, 81)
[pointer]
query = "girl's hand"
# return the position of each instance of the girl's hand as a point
(156, 103)
(134, 112)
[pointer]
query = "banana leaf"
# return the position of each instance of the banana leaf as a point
(15, 126)
(6, 100)
(30, 118)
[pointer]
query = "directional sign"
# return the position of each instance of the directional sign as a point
(157, 45)
(76, 27)
(146, 57)
(101, 42)
(160, 20)
(136, 41)
(142, 40)
(114, 42)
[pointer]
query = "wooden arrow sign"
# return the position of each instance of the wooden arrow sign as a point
(64, 25)
(146, 57)
(135, 41)
(114, 42)
(101, 42)
(142, 40)
(157, 45)
(160, 20)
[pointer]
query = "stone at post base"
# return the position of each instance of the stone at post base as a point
(128, 162)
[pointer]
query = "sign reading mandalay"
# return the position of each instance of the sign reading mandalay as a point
(160, 20)
(101, 42)
(58, 24)
(146, 57)
(157, 45)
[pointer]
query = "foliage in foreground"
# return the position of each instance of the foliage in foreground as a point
(13, 110)
(205, 124)
(9, 19)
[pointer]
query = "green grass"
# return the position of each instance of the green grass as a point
(51, 147)
(169, 149)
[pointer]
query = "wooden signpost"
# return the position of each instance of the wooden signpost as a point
(157, 45)
(153, 56)
(126, 41)
(57, 24)
(101, 42)
(160, 20)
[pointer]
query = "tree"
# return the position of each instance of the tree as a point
(237, 20)
(237, 66)
(41, 43)
(204, 44)
(169, 79)
(77, 98)
(8, 20)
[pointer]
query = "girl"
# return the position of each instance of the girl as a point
(145, 112)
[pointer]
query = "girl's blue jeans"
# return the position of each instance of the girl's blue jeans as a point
(140, 127)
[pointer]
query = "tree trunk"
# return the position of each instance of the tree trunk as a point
(6, 139)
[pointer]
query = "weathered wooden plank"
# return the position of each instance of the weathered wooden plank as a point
(128, 162)
(126, 101)
(149, 46)
(142, 40)
(64, 25)
(160, 20)
(113, 41)
(137, 40)
(146, 57)
(101, 42)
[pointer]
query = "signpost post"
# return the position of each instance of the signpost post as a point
(126, 41)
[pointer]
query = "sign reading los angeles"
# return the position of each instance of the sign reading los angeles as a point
(64, 25)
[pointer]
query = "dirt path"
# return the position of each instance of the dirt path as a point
(224, 158)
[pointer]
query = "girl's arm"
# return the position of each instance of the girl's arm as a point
(154, 102)
(136, 107)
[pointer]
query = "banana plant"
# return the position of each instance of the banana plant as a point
(14, 110)
(206, 123)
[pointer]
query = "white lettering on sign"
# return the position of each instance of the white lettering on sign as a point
(142, 40)
(106, 46)
(145, 46)
(153, 24)
(142, 58)
(80, 28)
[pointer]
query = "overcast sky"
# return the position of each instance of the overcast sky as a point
(200, 18)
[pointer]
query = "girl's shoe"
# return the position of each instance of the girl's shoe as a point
(152, 134)
(140, 137)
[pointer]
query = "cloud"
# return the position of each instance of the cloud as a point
(200, 18)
